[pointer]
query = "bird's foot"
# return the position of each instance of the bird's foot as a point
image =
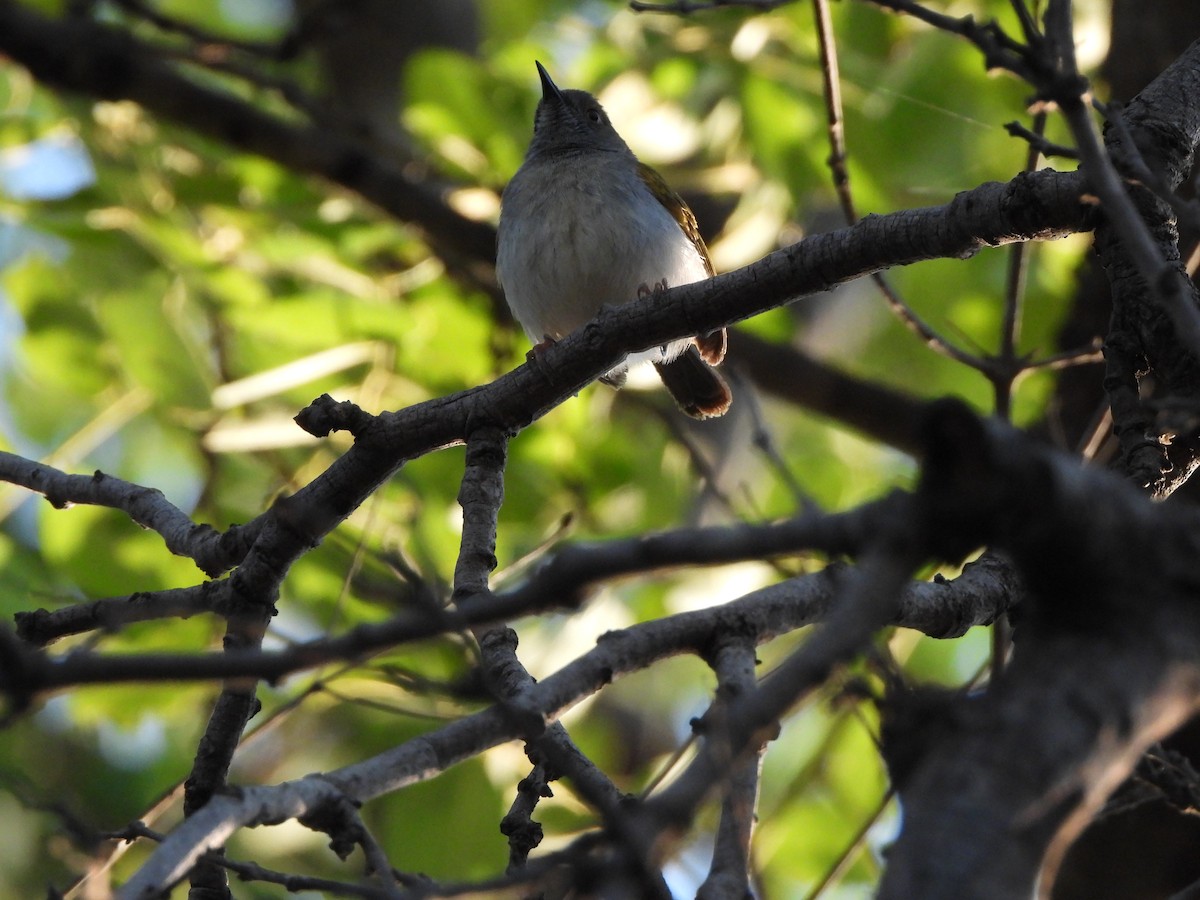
(645, 290)
(539, 348)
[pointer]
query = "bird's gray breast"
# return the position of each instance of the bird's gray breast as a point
(576, 236)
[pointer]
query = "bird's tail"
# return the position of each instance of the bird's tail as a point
(696, 386)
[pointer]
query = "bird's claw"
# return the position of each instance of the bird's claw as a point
(540, 347)
(645, 290)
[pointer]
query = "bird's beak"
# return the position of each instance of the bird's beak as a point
(549, 88)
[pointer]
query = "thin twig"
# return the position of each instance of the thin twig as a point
(765, 442)
(709, 476)
(147, 507)
(835, 121)
(1014, 293)
(1039, 142)
(291, 91)
(834, 873)
(1000, 50)
(1080, 356)
(1029, 26)
(199, 35)
(835, 128)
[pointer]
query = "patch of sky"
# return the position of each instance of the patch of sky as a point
(51, 168)
(265, 14)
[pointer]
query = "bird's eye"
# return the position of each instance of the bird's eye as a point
(594, 116)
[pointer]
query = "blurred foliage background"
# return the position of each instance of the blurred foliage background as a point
(168, 305)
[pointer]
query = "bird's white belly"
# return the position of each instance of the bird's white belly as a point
(559, 270)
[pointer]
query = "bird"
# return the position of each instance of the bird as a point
(583, 225)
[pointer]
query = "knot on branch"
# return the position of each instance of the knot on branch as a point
(338, 817)
(523, 833)
(325, 415)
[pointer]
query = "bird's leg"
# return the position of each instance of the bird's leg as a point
(539, 348)
(712, 345)
(534, 354)
(645, 290)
